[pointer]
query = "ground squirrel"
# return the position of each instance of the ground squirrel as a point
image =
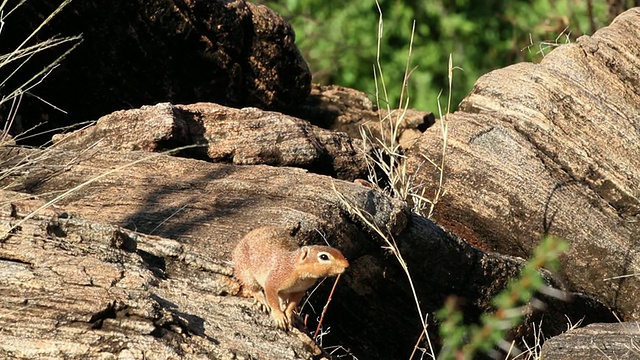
(278, 273)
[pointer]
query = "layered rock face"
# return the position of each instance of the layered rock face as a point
(552, 148)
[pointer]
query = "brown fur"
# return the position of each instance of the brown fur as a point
(278, 273)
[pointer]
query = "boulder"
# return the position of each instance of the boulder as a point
(246, 136)
(135, 53)
(80, 289)
(167, 225)
(551, 148)
(134, 258)
(347, 110)
(110, 247)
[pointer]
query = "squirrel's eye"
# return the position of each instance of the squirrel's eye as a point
(323, 257)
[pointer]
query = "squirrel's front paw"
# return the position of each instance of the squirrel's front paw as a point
(280, 320)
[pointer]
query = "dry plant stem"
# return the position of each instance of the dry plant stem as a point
(544, 45)
(308, 297)
(326, 306)
(39, 159)
(168, 218)
(621, 277)
(13, 111)
(415, 347)
(29, 84)
(512, 347)
(78, 187)
(444, 127)
(27, 53)
(27, 134)
(387, 155)
(378, 68)
(390, 160)
(44, 22)
(511, 305)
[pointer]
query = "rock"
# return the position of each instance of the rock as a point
(595, 342)
(145, 52)
(169, 224)
(347, 110)
(551, 148)
(108, 251)
(72, 290)
(247, 136)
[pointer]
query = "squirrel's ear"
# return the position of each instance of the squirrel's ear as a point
(304, 253)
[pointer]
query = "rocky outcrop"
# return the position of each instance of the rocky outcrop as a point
(552, 148)
(136, 53)
(347, 110)
(247, 136)
(110, 251)
(146, 237)
(152, 261)
(80, 289)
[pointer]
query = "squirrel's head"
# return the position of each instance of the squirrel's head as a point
(322, 261)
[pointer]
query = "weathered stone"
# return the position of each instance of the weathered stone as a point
(552, 148)
(207, 207)
(68, 292)
(131, 260)
(347, 110)
(247, 136)
(595, 342)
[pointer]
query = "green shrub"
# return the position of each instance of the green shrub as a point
(338, 38)
(465, 341)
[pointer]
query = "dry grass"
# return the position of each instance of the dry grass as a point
(13, 64)
(388, 168)
(534, 351)
(511, 304)
(387, 162)
(545, 47)
(388, 157)
(392, 246)
(74, 189)
(23, 53)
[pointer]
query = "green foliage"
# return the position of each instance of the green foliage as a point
(461, 341)
(338, 39)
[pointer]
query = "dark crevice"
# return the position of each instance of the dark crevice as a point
(14, 260)
(172, 325)
(98, 318)
(156, 264)
(54, 229)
